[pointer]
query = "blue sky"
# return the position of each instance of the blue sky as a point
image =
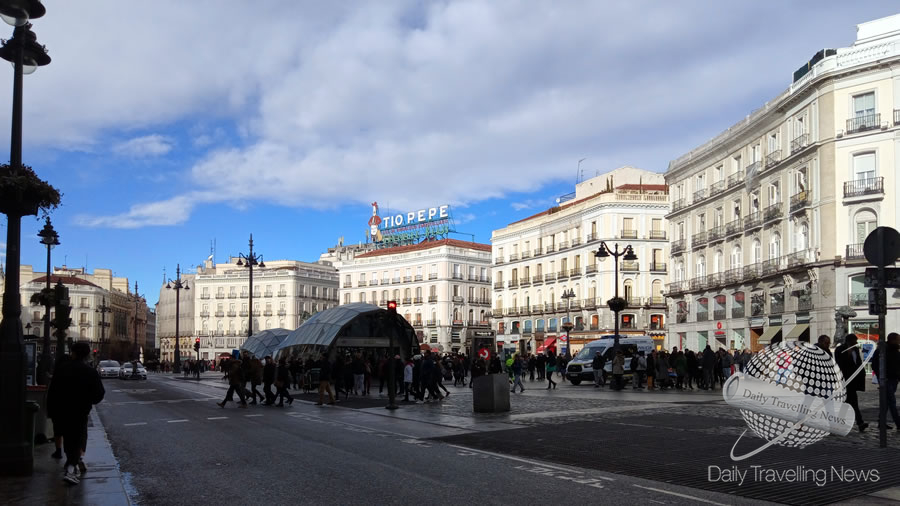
(169, 124)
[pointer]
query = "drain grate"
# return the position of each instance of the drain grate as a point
(680, 450)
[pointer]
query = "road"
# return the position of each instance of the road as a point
(176, 446)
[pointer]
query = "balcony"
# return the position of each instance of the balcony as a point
(678, 246)
(574, 273)
(752, 220)
(563, 245)
(204, 296)
(773, 158)
(432, 275)
(702, 316)
(658, 234)
(753, 168)
(408, 279)
(589, 303)
(232, 295)
(771, 266)
(735, 179)
(657, 267)
(514, 257)
(232, 314)
(896, 117)
(432, 299)
(283, 293)
(675, 288)
(431, 323)
(628, 234)
(538, 252)
(656, 300)
(203, 314)
(498, 260)
(804, 303)
(282, 312)
(855, 252)
(713, 280)
(456, 298)
(523, 282)
(867, 186)
(268, 312)
(590, 269)
(549, 249)
(592, 238)
(859, 299)
(220, 314)
(220, 295)
(752, 271)
(773, 212)
(776, 307)
(657, 326)
(417, 323)
(512, 311)
(418, 300)
(630, 266)
(800, 200)
(513, 283)
(737, 312)
(800, 258)
(732, 276)
(799, 142)
(716, 188)
(633, 302)
(719, 314)
(699, 195)
(863, 123)
(549, 277)
(676, 205)
(244, 312)
(562, 274)
(733, 227)
(576, 242)
(498, 285)
(537, 279)
(698, 283)
(717, 233)
(524, 310)
(418, 277)
(537, 309)
(698, 239)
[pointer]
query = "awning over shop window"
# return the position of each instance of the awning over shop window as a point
(769, 334)
(798, 331)
(549, 343)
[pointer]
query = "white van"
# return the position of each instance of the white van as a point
(580, 368)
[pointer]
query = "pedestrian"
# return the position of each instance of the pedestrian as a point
(325, 372)
(824, 343)
(268, 380)
(440, 375)
(358, 369)
(518, 367)
(618, 370)
(76, 387)
(551, 368)
(891, 373)
(407, 379)
(540, 366)
(691, 367)
(282, 381)
(662, 371)
(635, 377)
(849, 361)
(495, 366)
(235, 384)
(478, 369)
(727, 364)
(651, 370)
(256, 378)
(641, 370)
(597, 365)
(680, 366)
(532, 367)
(708, 363)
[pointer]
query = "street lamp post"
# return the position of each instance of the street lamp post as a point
(135, 354)
(177, 285)
(26, 55)
(567, 326)
(103, 309)
(249, 261)
(49, 238)
(616, 304)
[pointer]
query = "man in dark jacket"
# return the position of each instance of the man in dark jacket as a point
(709, 363)
(268, 379)
(495, 367)
(324, 380)
(75, 388)
(849, 360)
(597, 365)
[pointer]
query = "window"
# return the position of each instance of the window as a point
(865, 222)
(627, 224)
(736, 209)
(736, 164)
(754, 202)
(775, 246)
(656, 224)
(755, 153)
(774, 192)
(362, 297)
(864, 166)
(859, 294)
(700, 182)
(773, 142)
(799, 126)
(701, 266)
(719, 261)
(680, 230)
(701, 222)
(362, 278)
(736, 257)
(679, 271)
(800, 180)
(802, 242)
(719, 173)
(757, 251)
(864, 105)
(719, 217)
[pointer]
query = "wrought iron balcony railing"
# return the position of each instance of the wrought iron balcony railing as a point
(867, 186)
(863, 123)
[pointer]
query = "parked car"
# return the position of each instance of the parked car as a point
(108, 369)
(127, 371)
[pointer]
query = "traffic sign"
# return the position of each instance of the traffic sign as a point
(891, 274)
(485, 353)
(882, 246)
(877, 301)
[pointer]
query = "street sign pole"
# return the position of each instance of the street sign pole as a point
(882, 376)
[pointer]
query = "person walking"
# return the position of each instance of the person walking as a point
(641, 370)
(618, 370)
(849, 361)
(597, 365)
(532, 366)
(478, 370)
(496, 366)
(518, 367)
(282, 381)
(407, 379)
(235, 384)
(74, 390)
(708, 363)
(727, 364)
(662, 370)
(550, 369)
(268, 380)
(256, 378)
(358, 368)
(679, 363)
(891, 374)
(325, 371)
(651, 370)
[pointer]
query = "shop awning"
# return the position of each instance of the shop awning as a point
(550, 342)
(769, 333)
(797, 331)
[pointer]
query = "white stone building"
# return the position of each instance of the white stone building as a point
(768, 218)
(442, 287)
(537, 259)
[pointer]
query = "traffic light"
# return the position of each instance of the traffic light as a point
(197, 345)
(392, 306)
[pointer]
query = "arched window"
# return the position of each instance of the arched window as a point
(418, 293)
(775, 246)
(679, 271)
(500, 302)
(407, 293)
(701, 266)
(719, 261)
(471, 315)
(802, 242)
(515, 301)
(481, 316)
(384, 295)
(628, 288)
(592, 293)
(865, 222)
(656, 290)
(757, 251)
(527, 300)
(396, 293)
(737, 257)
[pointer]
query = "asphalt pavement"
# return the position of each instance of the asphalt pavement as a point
(176, 446)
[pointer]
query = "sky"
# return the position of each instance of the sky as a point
(168, 125)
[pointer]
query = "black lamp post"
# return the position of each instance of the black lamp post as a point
(616, 304)
(249, 261)
(103, 309)
(22, 51)
(136, 354)
(177, 285)
(49, 238)
(567, 326)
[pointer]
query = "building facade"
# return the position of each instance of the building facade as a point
(768, 218)
(442, 287)
(538, 259)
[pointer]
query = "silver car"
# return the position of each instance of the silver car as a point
(108, 369)
(127, 371)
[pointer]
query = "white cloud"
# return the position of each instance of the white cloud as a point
(409, 102)
(526, 204)
(146, 146)
(463, 218)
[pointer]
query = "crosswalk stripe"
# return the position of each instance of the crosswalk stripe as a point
(178, 421)
(217, 418)
(135, 423)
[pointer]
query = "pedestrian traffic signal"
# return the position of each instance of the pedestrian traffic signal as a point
(392, 306)
(197, 344)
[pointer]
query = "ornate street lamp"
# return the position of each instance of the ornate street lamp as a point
(178, 286)
(249, 261)
(136, 354)
(49, 238)
(567, 326)
(103, 309)
(616, 304)
(21, 194)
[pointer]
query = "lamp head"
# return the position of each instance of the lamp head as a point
(601, 252)
(262, 265)
(240, 263)
(629, 255)
(18, 12)
(168, 286)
